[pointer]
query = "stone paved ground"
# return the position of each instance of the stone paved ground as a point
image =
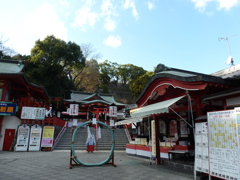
(54, 165)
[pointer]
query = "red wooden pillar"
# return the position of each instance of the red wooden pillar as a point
(224, 104)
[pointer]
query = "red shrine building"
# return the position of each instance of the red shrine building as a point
(171, 102)
(17, 92)
(94, 105)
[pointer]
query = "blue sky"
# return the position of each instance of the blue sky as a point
(182, 34)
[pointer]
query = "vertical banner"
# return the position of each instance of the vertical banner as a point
(113, 111)
(74, 109)
(35, 138)
(153, 138)
(22, 138)
(47, 137)
(94, 121)
(111, 122)
(224, 145)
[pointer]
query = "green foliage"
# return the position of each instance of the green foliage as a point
(51, 64)
(137, 86)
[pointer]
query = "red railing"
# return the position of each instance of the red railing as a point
(60, 134)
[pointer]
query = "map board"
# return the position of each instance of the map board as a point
(224, 161)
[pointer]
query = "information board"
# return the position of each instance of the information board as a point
(201, 148)
(47, 137)
(33, 113)
(224, 145)
(22, 138)
(35, 138)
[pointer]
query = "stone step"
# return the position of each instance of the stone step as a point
(105, 143)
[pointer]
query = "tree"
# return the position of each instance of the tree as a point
(137, 85)
(88, 79)
(5, 51)
(129, 73)
(89, 52)
(51, 65)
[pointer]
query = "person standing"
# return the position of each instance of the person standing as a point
(90, 142)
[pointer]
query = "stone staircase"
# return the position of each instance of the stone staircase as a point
(105, 143)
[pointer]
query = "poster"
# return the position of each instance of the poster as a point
(153, 138)
(33, 113)
(35, 138)
(162, 127)
(224, 145)
(183, 128)
(22, 138)
(47, 137)
(201, 148)
(173, 128)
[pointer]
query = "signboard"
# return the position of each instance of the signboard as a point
(8, 108)
(111, 122)
(74, 109)
(22, 138)
(47, 137)
(75, 121)
(201, 148)
(94, 121)
(153, 138)
(33, 113)
(224, 142)
(35, 138)
(113, 111)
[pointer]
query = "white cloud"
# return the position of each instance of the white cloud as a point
(222, 4)
(109, 12)
(131, 4)
(114, 41)
(201, 4)
(44, 21)
(109, 25)
(107, 7)
(85, 16)
(41, 23)
(64, 3)
(227, 4)
(150, 5)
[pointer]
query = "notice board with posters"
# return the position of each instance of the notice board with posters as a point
(201, 148)
(47, 136)
(22, 138)
(224, 140)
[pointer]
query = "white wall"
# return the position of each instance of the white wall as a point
(9, 122)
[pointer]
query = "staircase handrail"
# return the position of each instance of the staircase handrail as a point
(60, 135)
(127, 133)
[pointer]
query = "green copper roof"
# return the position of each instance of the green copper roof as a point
(88, 98)
(10, 66)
